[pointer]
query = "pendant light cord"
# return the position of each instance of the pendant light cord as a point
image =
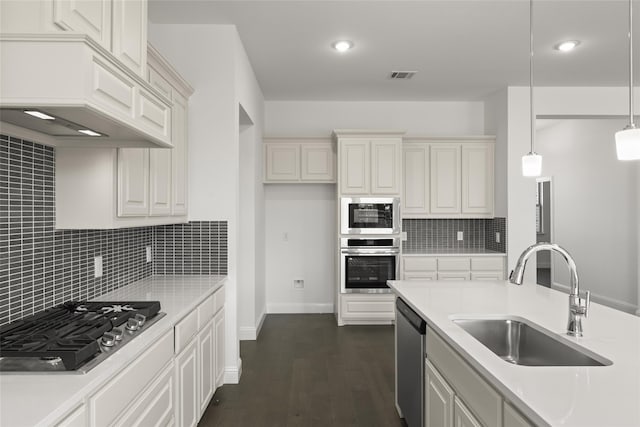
(631, 123)
(533, 118)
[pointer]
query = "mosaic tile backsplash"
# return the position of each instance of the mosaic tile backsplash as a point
(41, 267)
(435, 234)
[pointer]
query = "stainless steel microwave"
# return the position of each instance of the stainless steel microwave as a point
(370, 215)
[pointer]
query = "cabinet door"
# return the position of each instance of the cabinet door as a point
(77, 418)
(133, 181)
(354, 166)
(130, 34)
(282, 162)
(386, 164)
(462, 416)
(318, 162)
(477, 179)
(160, 181)
(179, 156)
(90, 17)
(445, 179)
(512, 417)
(206, 364)
(219, 347)
(415, 183)
(188, 385)
(438, 406)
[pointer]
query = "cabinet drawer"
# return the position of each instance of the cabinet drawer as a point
(219, 299)
(487, 263)
(112, 89)
(480, 397)
(419, 263)
(185, 330)
(453, 275)
(453, 264)
(368, 307)
(426, 275)
(156, 406)
(206, 311)
(113, 398)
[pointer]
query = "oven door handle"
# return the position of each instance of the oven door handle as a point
(371, 252)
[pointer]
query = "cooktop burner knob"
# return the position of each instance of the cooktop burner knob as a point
(117, 333)
(132, 325)
(108, 339)
(140, 318)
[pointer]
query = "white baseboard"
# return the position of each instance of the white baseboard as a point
(300, 308)
(250, 333)
(609, 302)
(232, 374)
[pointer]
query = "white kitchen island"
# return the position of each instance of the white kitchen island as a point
(602, 396)
(46, 399)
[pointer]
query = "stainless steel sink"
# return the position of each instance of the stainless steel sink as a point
(520, 342)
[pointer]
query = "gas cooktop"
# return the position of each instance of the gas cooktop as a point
(73, 337)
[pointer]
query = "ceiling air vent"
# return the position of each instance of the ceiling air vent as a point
(402, 75)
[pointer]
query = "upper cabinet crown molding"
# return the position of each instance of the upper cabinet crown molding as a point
(159, 62)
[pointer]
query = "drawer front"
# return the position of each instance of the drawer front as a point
(109, 402)
(453, 264)
(487, 263)
(186, 330)
(512, 417)
(419, 264)
(368, 307)
(206, 311)
(487, 275)
(427, 275)
(156, 406)
(480, 397)
(453, 275)
(219, 299)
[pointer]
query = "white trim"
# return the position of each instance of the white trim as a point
(232, 374)
(250, 333)
(260, 323)
(300, 308)
(609, 302)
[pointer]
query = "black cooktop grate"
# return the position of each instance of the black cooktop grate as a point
(70, 331)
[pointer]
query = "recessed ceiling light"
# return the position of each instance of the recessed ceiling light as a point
(39, 114)
(89, 132)
(342, 45)
(567, 46)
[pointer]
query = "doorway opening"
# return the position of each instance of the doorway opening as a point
(544, 229)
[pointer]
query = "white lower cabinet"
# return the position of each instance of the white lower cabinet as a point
(187, 392)
(219, 350)
(206, 363)
(77, 418)
(512, 417)
(366, 309)
(462, 417)
(453, 267)
(438, 405)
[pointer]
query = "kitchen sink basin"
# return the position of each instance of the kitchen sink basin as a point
(518, 341)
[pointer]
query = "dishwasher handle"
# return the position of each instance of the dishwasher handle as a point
(418, 323)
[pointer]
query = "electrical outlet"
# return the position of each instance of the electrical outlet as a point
(460, 235)
(403, 236)
(97, 266)
(497, 237)
(285, 236)
(148, 252)
(298, 283)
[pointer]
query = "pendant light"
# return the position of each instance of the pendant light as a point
(531, 162)
(628, 139)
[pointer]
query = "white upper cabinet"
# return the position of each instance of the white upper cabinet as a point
(289, 160)
(370, 162)
(160, 182)
(130, 34)
(91, 17)
(179, 160)
(448, 178)
(133, 182)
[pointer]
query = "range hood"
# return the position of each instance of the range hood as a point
(81, 93)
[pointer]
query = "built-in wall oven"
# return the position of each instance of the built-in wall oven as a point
(367, 263)
(370, 215)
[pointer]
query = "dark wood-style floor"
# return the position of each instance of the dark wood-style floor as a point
(305, 371)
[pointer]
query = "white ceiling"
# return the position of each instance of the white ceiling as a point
(462, 49)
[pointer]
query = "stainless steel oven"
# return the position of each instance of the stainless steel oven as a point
(367, 263)
(370, 215)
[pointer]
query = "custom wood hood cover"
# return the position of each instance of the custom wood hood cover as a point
(76, 81)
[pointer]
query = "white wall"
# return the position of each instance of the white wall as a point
(296, 118)
(496, 123)
(306, 214)
(212, 59)
(594, 204)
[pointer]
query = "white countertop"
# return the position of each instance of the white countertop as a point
(41, 399)
(451, 252)
(604, 396)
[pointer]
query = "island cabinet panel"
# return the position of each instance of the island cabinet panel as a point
(462, 416)
(438, 406)
(77, 418)
(512, 417)
(478, 395)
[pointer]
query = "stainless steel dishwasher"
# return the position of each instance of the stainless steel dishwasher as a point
(410, 361)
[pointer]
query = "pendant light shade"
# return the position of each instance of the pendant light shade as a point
(628, 139)
(531, 164)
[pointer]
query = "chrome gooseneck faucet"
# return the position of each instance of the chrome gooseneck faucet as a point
(578, 305)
